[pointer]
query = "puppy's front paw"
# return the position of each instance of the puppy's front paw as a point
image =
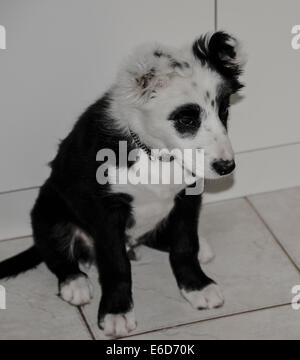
(208, 298)
(76, 291)
(118, 325)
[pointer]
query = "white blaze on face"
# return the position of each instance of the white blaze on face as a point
(214, 140)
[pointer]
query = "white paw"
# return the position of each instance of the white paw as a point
(208, 298)
(76, 292)
(118, 325)
(206, 253)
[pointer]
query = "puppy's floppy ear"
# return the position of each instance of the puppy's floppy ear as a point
(150, 68)
(222, 52)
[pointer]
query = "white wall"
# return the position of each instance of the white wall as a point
(61, 55)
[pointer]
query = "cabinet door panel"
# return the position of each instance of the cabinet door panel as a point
(269, 115)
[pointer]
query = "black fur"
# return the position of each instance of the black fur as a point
(187, 119)
(220, 56)
(223, 103)
(173, 63)
(177, 234)
(20, 263)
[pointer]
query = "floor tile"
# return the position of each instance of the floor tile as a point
(281, 211)
(281, 323)
(33, 309)
(251, 268)
(15, 210)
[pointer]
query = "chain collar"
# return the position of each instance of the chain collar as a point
(147, 150)
(141, 145)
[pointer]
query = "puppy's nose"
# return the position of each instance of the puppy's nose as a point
(223, 167)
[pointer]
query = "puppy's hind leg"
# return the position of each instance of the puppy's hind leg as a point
(53, 235)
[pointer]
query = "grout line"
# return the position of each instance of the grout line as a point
(210, 319)
(243, 196)
(5, 192)
(271, 232)
(271, 191)
(267, 148)
(81, 313)
(216, 15)
(16, 238)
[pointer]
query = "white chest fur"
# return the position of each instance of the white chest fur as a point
(151, 204)
(152, 201)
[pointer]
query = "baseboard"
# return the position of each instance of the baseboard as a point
(257, 172)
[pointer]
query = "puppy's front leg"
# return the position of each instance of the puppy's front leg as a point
(201, 291)
(116, 315)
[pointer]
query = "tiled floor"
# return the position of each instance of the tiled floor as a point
(257, 244)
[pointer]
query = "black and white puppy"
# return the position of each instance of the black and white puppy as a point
(163, 98)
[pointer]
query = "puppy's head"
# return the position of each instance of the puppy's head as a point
(180, 99)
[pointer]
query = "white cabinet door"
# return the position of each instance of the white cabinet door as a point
(270, 113)
(60, 56)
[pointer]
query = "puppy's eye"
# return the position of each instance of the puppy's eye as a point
(189, 121)
(186, 114)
